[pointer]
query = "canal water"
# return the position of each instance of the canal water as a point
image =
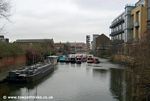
(72, 82)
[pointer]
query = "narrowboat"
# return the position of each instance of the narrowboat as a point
(62, 58)
(96, 60)
(72, 60)
(90, 59)
(33, 73)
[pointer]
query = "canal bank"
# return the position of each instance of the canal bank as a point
(123, 59)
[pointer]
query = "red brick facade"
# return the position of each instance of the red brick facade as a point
(12, 61)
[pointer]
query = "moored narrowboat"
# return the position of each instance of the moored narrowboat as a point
(33, 73)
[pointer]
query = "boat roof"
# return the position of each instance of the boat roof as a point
(52, 56)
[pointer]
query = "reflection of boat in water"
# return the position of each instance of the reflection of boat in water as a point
(78, 60)
(102, 70)
(34, 72)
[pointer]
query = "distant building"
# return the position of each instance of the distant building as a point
(70, 48)
(78, 47)
(88, 42)
(59, 48)
(3, 39)
(94, 42)
(103, 44)
(29, 43)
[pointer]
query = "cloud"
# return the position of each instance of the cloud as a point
(63, 20)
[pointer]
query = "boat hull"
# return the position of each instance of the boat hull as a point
(32, 78)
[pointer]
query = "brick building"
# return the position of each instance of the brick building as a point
(102, 45)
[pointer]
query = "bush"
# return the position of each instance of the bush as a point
(9, 49)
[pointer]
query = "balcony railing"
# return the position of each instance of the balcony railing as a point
(117, 32)
(114, 24)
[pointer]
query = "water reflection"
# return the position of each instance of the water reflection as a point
(72, 82)
(73, 65)
(116, 83)
(137, 84)
(78, 65)
(98, 72)
(129, 85)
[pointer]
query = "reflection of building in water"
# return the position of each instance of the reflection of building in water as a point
(130, 84)
(100, 72)
(116, 83)
(137, 84)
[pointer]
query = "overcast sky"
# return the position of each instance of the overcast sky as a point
(62, 20)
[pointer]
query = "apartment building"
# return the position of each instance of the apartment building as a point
(139, 20)
(117, 28)
(121, 27)
(131, 24)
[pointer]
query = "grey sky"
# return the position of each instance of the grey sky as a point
(62, 20)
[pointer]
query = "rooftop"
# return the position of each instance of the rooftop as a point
(34, 40)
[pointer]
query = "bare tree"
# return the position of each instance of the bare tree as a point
(4, 9)
(4, 13)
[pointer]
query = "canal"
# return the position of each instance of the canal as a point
(72, 82)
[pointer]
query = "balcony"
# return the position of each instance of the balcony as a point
(117, 32)
(114, 24)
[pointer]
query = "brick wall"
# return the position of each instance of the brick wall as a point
(10, 62)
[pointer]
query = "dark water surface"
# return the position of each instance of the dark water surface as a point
(72, 82)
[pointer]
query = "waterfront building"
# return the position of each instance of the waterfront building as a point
(117, 28)
(103, 45)
(139, 16)
(128, 24)
(121, 27)
(131, 24)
